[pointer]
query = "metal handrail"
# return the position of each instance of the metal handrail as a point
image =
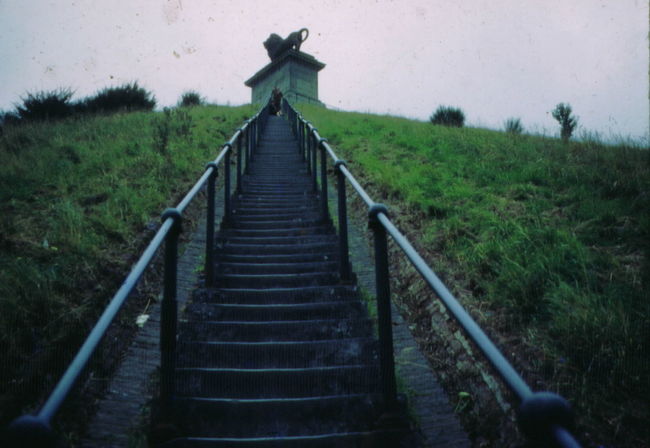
(541, 415)
(35, 430)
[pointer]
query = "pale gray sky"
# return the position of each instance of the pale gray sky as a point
(493, 58)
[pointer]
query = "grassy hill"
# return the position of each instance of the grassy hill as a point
(78, 199)
(546, 243)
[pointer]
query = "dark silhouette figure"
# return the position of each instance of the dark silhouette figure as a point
(276, 101)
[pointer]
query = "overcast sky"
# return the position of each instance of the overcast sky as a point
(495, 59)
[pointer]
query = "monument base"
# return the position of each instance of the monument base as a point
(296, 75)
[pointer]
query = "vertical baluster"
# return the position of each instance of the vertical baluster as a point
(209, 227)
(254, 142)
(345, 270)
(168, 313)
(308, 147)
(239, 145)
(323, 179)
(299, 137)
(386, 359)
(314, 172)
(226, 185)
(248, 147)
(302, 140)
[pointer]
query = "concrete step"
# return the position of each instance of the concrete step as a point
(276, 295)
(271, 223)
(330, 255)
(367, 439)
(274, 312)
(319, 247)
(296, 209)
(276, 417)
(296, 231)
(299, 267)
(276, 383)
(269, 331)
(265, 281)
(225, 242)
(292, 354)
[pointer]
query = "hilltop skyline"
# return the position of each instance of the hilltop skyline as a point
(495, 60)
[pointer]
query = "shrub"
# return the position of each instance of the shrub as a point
(562, 113)
(7, 118)
(190, 98)
(128, 97)
(448, 116)
(513, 126)
(50, 105)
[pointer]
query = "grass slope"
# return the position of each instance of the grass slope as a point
(547, 243)
(76, 198)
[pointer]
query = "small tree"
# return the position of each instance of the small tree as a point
(448, 116)
(513, 126)
(562, 113)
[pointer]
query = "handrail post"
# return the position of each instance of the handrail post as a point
(385, 324)
(314, 171)
(226, 185)
(323, 179)
(308, 148)
(345, 270)
(209, 227)
(254, 138)
(294, 122)
(299, 137)
(305, 130)
(239, 145)
(302, 140)
(248, 147)
(168, 314)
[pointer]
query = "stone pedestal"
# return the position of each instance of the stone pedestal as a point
(295, 73)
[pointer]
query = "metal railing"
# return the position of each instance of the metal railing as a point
(35, 430)
(543, 416)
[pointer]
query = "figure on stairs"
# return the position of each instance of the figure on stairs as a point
(276, 102)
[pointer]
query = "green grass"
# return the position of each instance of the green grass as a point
(76, 198)
(552, 238)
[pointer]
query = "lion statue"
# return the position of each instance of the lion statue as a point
(275, 45)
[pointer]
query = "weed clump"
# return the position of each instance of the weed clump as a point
(513, 126)
(448, 116)
(190, 98)
(128, 97)
(42, 106)
(173, 122)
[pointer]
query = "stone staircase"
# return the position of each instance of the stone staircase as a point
(280, 353)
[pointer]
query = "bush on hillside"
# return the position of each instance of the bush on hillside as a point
(7, 118)
(513, 126)
(190, 98)
(127, 97)
(448, 116)
(562, 113)
(51, 105)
